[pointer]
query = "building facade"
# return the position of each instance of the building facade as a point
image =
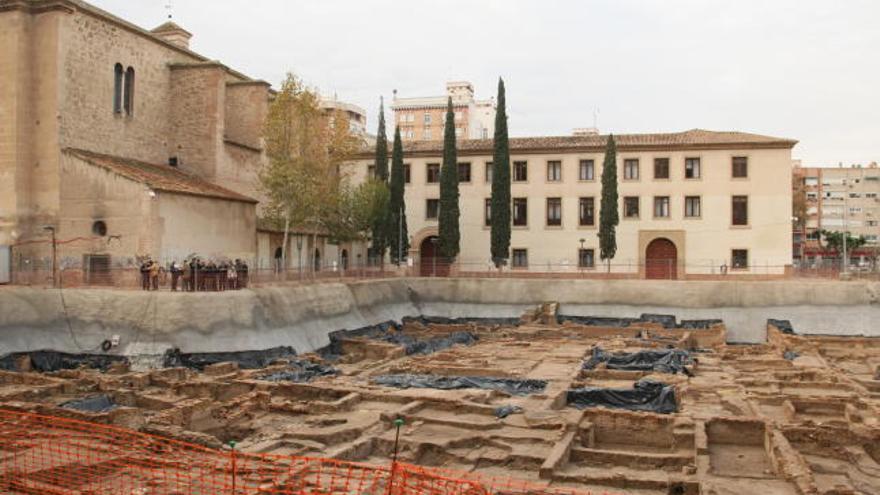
(837, 199)
(423, 118)
(691, 204)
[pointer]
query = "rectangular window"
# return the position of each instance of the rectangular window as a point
(427, 118)
(432, 209)
(406, 173)
(464, 172)
(740, 166)
(631, 207)
(426, 134)
(554, 211)
(489, 172)
(520, 258)
(586, 258)
(661, 168)
(739, 259)
(740, 207)
(433, 173)
(631, 169)
(661, 206)
(520, 171)
(520, 211)
(691, 168)
(371, 171)
(587, 211)
(587, 170)
(692, 206)
(554, 171)
(487, 212)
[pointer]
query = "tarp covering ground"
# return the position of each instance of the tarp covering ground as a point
(661, 360)
(666, 321)
(96, 404)
(245, 359)
(646, 395)
(46, 361)
(300, 371)
(390, 332)
(507, 385)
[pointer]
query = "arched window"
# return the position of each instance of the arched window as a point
(117, 88)
(128, 102)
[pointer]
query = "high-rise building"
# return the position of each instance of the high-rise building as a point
(423, 118)
(837, 199)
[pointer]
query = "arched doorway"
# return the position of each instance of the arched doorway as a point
(430, 264)
(661, 260)
(317, 260)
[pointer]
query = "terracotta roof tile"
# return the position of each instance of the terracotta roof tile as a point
(158, 177)
(692, 139)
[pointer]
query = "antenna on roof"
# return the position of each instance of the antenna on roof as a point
(170, 9)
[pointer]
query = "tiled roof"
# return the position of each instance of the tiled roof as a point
(692, 139)
(158, 177)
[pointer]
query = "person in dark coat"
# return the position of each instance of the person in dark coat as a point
(145, 274)
(175, 275)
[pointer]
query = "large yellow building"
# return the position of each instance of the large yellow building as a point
(692, 204)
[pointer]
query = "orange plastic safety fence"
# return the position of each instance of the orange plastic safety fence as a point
(53, 456)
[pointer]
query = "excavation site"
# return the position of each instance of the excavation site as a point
(547, 400)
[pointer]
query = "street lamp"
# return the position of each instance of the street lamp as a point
(51, 230)
(434, 258)
(581, 253)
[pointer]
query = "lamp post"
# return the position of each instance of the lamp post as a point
(434, 258)
(845, 224)
(51, 230)
(581, 253)
(299, 253)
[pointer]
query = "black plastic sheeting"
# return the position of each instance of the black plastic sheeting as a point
(95, 404)
(784, 326)
(45, 361)
(502, 412)
(301, 371)
(646, 395)
(389, 331)
(667, 321)
(790, 355)
(246, 359)
(662, 361)
(508, 385)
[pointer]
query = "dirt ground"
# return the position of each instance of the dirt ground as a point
(797, 415)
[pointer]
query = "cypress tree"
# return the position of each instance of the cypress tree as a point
(500, 205)
(449, 211)
(379, 230)
(608, 217)
(398, 238)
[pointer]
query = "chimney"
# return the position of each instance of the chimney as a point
(174, 34)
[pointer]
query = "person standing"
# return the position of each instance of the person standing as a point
(175, 275)
(145, 274)
(154, 275)
(231, 277)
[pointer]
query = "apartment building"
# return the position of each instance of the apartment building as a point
(692, 204)
(838, 199)
(423, 118)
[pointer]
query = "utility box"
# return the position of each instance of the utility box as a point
(5, 264)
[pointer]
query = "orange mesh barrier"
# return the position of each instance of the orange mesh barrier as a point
(53, 456)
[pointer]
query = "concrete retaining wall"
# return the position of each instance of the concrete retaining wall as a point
(302, 316)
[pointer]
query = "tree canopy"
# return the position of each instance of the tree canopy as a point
(449, 234)
(500, 203)
(608, 216)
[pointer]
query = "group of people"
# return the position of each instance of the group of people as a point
(196, 275)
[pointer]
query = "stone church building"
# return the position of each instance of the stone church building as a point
(125, 142)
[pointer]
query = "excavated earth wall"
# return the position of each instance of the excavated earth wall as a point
(302, 316)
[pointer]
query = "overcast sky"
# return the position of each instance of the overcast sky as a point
(804, 69)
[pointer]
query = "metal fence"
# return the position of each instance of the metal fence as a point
(215, 279)
(54, 455)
